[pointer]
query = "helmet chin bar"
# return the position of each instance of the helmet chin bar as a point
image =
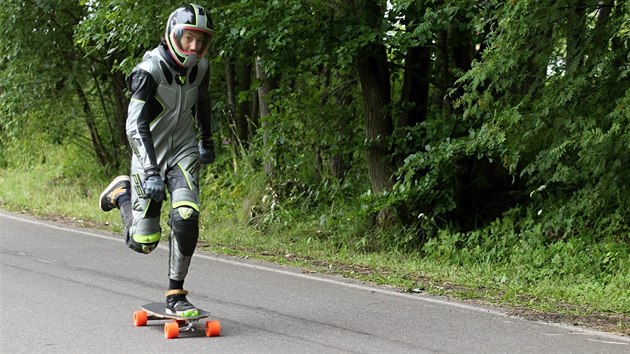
(185, 61)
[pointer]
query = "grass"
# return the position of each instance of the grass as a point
(602, 303)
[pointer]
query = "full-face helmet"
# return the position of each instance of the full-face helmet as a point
(189, 22)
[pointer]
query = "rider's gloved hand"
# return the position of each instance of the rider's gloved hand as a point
(206, 151)
(154, 188)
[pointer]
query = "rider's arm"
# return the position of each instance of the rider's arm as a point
(143, 109)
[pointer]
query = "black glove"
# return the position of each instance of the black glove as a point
(154, 188)
(206, 151)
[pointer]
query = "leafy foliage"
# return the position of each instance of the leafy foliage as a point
(509, 119)
(565, 125)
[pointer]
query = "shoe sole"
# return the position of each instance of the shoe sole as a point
(109, 188)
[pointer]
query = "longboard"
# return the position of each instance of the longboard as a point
(177, 324)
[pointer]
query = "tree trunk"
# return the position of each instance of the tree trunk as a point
(444, 73)
(254, 122)
(245, 112)
(121, 104)
(376, 91)
(462, 52)
(415, 89)
(374, 76)
(340, 162)
(263, 93)
(601, 35)
(575, 34)
(99, 150)
(230, 88)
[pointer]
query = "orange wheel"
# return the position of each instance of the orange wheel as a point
(213, 328)
(139, 318)
(171, 330)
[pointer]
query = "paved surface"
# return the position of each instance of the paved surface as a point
(70, 290)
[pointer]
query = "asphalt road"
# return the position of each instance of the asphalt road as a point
(71, 290)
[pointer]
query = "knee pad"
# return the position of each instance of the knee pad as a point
(143, 233)
(184, 223)
(141, 247)
(144, 236)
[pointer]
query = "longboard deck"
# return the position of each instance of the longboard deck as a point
(177, 324)
(157, 309)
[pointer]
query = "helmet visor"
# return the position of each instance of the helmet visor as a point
(191, 40)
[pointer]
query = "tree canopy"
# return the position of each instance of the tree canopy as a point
(428, 114)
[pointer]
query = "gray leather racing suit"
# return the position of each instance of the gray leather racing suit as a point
(168, 108)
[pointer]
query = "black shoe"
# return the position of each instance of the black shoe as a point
(119, 185)
(177, 304)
